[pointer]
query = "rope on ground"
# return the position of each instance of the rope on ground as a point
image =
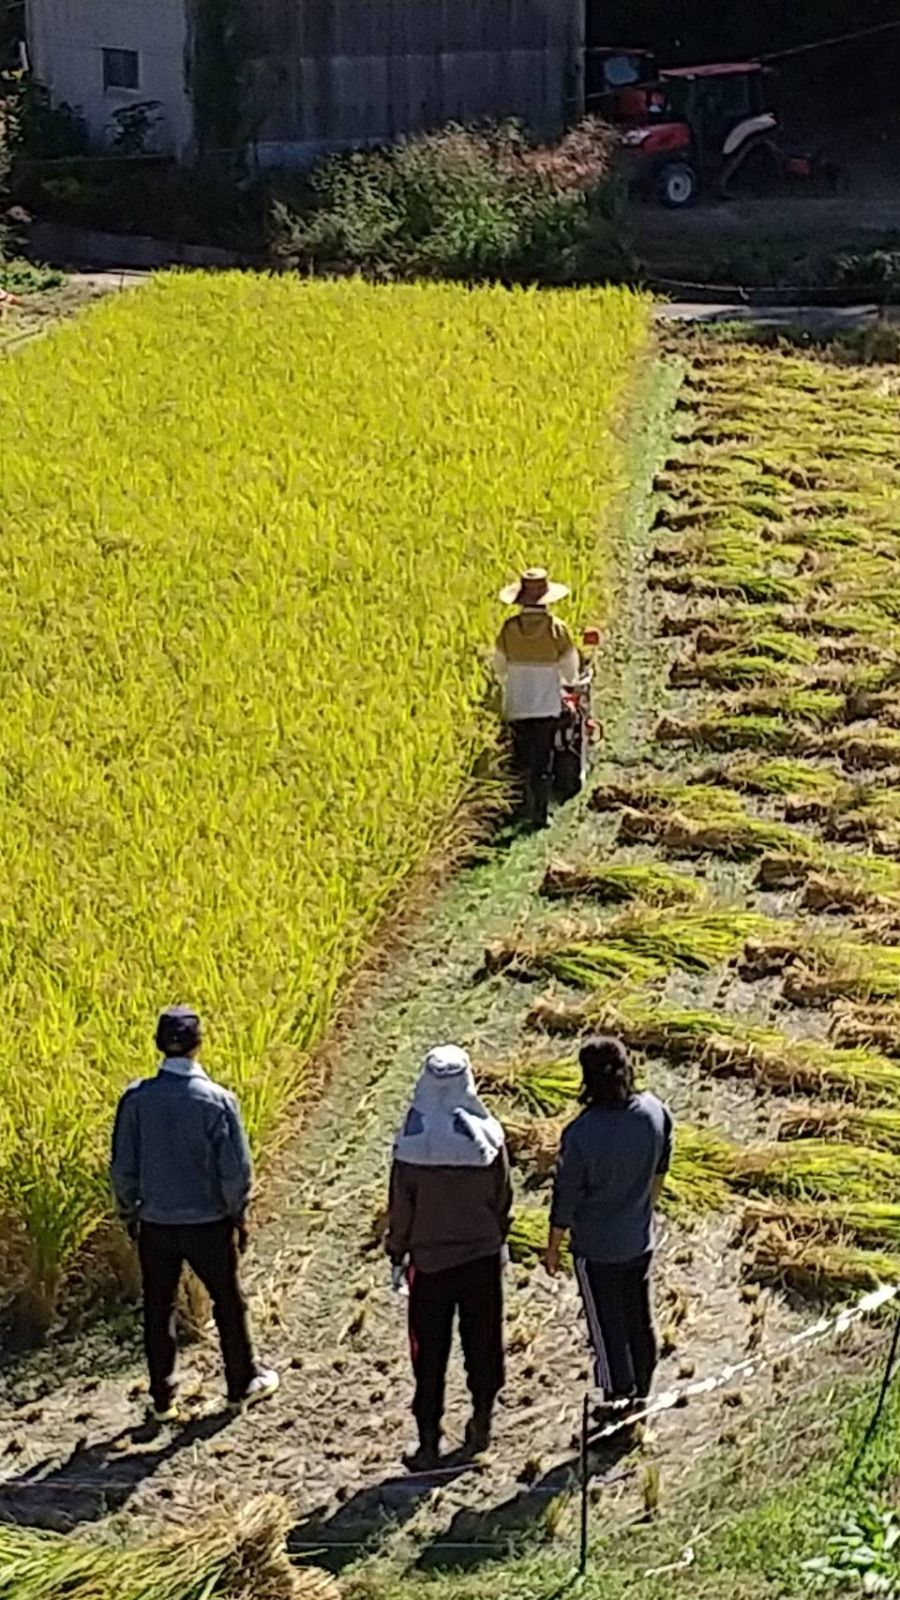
(826, 1327)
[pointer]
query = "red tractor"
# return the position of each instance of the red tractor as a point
(684, 129)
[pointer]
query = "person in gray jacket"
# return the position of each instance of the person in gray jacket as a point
(181, 1175)
(612, 1164)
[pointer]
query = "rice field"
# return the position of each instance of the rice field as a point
(248, 599)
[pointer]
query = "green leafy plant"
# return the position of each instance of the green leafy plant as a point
(132, 128)
(463, 202)
(863, 1556)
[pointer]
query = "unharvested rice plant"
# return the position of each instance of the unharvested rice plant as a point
(249, 596)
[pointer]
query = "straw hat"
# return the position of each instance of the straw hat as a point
(533, 589)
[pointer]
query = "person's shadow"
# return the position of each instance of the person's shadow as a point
(358, 1526)
(475, 1538)
(98, 1479)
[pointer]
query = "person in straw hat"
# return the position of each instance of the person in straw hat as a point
(534, 657)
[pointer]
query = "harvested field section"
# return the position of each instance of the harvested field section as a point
(763, 970)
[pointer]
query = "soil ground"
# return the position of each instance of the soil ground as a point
(708, 242)
(73, 1450)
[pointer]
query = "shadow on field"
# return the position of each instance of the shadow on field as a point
(365, 1519)
(98, 1479)
(477, 1537)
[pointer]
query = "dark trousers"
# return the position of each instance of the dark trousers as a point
(210, 1249)
(617, 1304)
(533, 739)
(476, 1292)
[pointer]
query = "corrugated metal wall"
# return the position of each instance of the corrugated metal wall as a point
(341, 72)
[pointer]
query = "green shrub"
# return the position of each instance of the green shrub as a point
(44, 131)
(29, 277)
(463, 202)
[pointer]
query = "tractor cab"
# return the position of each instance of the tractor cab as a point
(614, 80)
(695, 127)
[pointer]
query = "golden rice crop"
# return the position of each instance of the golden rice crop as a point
(252, 534)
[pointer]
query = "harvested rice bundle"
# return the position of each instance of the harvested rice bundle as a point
(874, 1223)
(713, 639)
(865, 747)
(723, 732)
(657, 793)
(820, 968)
(877, 1025)
(786, 778)
(730, 669)
(734, 836)
(700, 1174)
(226, 1554)
(879, 1129)
(835, 880)
(527, 1239)
(654, 885)
(640, 945)
(834, 970)
(534, 1143)
(541, 1087)
(726, 550)
(731, 579)
(729, 1046)
(817, 1169)
(853, 890)
(864, 705)
(702, 1162)
(821, 708)
(819, 1270)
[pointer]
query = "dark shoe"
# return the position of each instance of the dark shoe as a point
(615, 1409)
(427, 1456)
(478, 1433)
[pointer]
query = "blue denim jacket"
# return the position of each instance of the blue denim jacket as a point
(179, 1150)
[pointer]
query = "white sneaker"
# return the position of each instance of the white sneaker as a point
(262, 1387)
(169, 1413)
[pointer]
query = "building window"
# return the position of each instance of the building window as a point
(121, 69)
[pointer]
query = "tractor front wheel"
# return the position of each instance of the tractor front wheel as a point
(677, 185)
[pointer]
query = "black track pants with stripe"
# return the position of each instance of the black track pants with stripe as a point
(619, 1314)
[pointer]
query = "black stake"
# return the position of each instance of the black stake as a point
(876, 1418)
(583, 1556)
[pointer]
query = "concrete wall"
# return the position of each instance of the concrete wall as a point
(328, 74)
(66, 41)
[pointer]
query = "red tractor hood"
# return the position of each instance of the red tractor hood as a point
(655, 137)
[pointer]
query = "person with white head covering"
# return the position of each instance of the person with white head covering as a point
(450, 1209)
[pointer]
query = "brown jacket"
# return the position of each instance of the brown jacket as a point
(447, 1216)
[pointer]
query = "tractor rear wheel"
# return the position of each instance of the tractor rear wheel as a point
(677, 184)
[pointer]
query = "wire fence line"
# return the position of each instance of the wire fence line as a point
(755, 1456)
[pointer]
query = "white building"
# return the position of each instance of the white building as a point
(315, 75)
(103, 55)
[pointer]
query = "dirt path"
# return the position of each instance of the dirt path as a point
(332, 1440)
